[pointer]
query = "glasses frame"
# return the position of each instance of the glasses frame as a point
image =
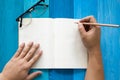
(19, 19)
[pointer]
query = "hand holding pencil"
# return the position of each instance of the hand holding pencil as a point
(90, 35)
(99, 24)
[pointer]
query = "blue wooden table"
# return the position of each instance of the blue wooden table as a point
(105, 11)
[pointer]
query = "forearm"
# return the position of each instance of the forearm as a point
(95, 66)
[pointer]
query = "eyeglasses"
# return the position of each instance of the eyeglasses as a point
(19, 19)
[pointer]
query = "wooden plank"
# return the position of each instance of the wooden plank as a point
(1, 35)
(110, 38)
(79, 74)
(83, 8)
(61, 74)
(61, 9)
(38, 13)
(8, 29)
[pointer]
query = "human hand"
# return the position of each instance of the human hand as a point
(90, 34)
(91, 39)
(18, 67)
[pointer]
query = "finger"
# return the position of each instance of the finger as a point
(32, 52)
(88, 19)
(26, 49)
(81, 29)
(21, 47)
(97, 28)
(33, 75)
(34, 59)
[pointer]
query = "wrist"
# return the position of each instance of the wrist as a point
(95, 58)
(94, 51)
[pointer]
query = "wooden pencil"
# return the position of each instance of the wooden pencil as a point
(99, 24)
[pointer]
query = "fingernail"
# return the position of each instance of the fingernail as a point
(30, 42)
(23, 44)
(40, 52)
(80, 25)
(37, 45)
(39, 73)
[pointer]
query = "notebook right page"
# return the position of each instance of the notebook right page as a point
(68, 48)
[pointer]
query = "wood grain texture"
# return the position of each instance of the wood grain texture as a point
(110, 37)
(10, 9)
(83, 8)
(61, 8)
(106, 11)
(61, 74)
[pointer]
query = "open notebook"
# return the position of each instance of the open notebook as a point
(59, 39)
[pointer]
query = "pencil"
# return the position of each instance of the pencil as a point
(99, 24)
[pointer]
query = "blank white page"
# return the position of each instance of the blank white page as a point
(69, 49)
(60, 41)
(39, 31)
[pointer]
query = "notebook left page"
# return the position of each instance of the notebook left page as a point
(39, 31)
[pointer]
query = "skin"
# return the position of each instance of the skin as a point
(91, 38)
(25, 57)
(18, 67)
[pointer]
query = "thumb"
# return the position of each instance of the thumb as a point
(81, 29)
(33, 75)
